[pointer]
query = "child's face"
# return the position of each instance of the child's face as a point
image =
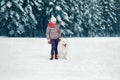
(54, 22)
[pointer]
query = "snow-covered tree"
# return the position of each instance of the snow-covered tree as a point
(109, 16)
(75, 17)
(61, 9)
(15, 17)
(117, 25)
(94, 18)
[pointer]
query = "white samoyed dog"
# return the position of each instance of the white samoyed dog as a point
(63, 49)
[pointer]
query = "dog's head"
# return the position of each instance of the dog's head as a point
(65, 42)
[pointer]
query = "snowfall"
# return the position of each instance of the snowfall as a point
(87, 59)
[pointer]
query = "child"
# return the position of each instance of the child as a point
(53, 36)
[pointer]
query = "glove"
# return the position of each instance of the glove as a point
(49, 42)
(59, 39)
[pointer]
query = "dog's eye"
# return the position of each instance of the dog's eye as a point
(64, 43)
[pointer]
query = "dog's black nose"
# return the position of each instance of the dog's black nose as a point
(65, 45)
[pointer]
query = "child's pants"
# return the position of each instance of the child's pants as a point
(54, 44)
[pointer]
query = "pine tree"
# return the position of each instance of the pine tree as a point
(109, 16)
(117, 25)
(93, 18)
(39, 11)
(75, 17)
(29, 18)
(16, 18)
(61, 10)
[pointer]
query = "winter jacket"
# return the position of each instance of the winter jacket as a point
(53, 31)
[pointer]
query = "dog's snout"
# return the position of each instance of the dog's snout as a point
(65, 44)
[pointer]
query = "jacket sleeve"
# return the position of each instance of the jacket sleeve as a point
(48, 33)
(59, 32)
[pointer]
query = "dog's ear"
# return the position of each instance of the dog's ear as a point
(66, 41)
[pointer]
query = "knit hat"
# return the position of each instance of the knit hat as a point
(53, 19)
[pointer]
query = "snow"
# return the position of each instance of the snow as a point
(2, 3)
(88, 59)
(20, 7)
(58, 17)
(17, 16)
(3, 8)
(9, 4)
(51, 3)
(37, 4)
(58, 8)
(33, 17)
(40, 1)
(21, 1)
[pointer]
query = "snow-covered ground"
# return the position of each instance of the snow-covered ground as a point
(88, 59)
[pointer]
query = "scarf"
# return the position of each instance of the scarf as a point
(52, 24)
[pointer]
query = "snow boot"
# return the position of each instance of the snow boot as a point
(51, 58)
(56, 56)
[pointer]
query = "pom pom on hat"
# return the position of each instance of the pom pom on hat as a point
(53, 19)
